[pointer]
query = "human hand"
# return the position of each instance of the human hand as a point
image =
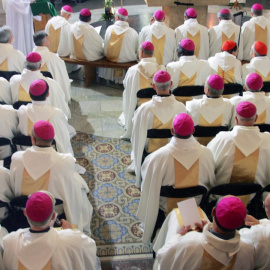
(251, 221)
(65, 224)
(199, 226)
(184, 229)
(152, 20)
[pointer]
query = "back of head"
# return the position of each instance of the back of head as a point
(66, 11)
(224, 14)
(259, 48)
(33, 61)
(43, 133)
(147, 48)
(39, 38)
(257, 10)
(159, 15)
(186, 47)
(246, 113)
(122, 14)
(85, 15)
(215, 86)
(162, 81)
(39, 90)
(254, 82)
(229, 46)
(39, 209)
(230, 214)
(183, 126)
(5, 34)
(191, 13)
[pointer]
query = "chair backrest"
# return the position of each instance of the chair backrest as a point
(205, 134)
(231, 89)
(185, 93)
(8, 74)
(145, 95)
(264, 127)
(18, 104)
(7, 142)
(47, 74)
(266, 87)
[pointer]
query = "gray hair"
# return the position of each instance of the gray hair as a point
(5, 34)
(213, 92)
(257, 12)
(224, 16)
(32, 66)
(256, 53)
(39, 37)
(243, 119)
(147, 52)
(44, 224)
(121, 17)
(162, 86)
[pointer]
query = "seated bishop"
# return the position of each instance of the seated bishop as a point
(38, 110)
(42, 168)
(225, 30)
(162, 37)
(85, 42)
(241, 155)
(20, 84)
(259, 63)
(198, 33)
(253, 94)
(43, 247)
(10, 59)
(182, 163)
(59, 30)
(138, 77)
(225, 63)
(120, 46)
(5, 94)
(188, 70)
(158, 113)
(52, 63)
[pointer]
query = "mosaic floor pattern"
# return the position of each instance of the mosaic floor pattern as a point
(113, 195)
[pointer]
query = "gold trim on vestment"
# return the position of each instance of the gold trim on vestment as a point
(226, 38)
(261, 118)
(48, 266)
(227, 76)
(54, 38)
(4, 65)
(261, 34)
(265, 79)
(185, 80)
(197, 41)
(183, 99)
(159, 45)
(78, 47)
(216, 123)
(114, 47)
(44, 67)
(23, 95)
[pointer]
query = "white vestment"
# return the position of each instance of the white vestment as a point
(60, 22)
(64, 183)
(19, 18)
(158, 30)
(165, 109)
(5, 94)
(210, 109)
(3, 232)
(247, 140)
(226, 63)
(56, 95)
(259, 236)
(4, 211)
(190, 66)
(65, 249)
(147, 67)
(158, 170)
(225, 30)
(92, 41)
(15, 59)
(248, 32)
(8, 124)
(56, 66)
(258, 64)
(41, 110)
(259, 99)
(187, 252)
(191, 28)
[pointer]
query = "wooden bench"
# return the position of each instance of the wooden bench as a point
(90, 66)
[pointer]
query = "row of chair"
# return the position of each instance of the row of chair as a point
(8, 74)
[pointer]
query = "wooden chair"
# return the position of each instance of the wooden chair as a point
(18, 104)
(145, 95)
(231, 89)
(185, 93)
(8, 74)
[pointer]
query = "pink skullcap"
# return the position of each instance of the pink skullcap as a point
(230, 212)
(257, 6)
(191, 12)
(67, 8)
(216, 82)
(228, 45)
(33, 57)
(224, 11)
(85, 12)
(44, 130)
(260, 47)
(254, 81)
(183, 124)
(39, 207)
(159, 15)
(162, 76)
(246, 109)
(123, 12)
(147, 45)
(37, 87)
(187, 44)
